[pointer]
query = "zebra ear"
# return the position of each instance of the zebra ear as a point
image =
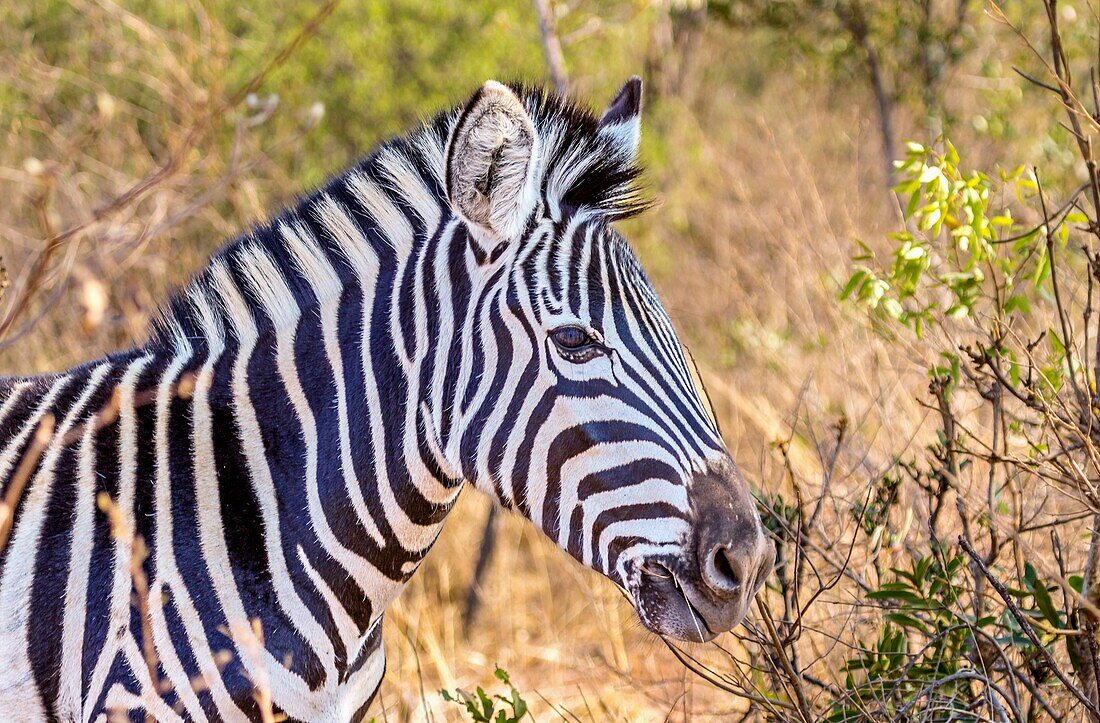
(622, 121)
(490, 162)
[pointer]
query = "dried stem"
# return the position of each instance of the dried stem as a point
(1029, 630)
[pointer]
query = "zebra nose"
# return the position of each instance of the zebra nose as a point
(723, 571)
(734, 557)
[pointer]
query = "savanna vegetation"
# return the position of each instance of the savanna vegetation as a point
(877, 229)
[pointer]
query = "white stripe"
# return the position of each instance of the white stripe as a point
(409, 184)
(426, 483)
(289, 691)
(361, 686)
(149, 699)
(357, 249)
(583, 278)
(76, 587)
(677, 423)
(13, 397)
(661, 533)
(543, 380)
(566, 414)
(269, 286)
(119, 604)
(22, 552)
(431, 150)
(349, 632)
(444, 343)
(392, 224)
(168, 577)
(647, 492)
(323, 278)
(600, 458)
(11, 451)
(120, 699)
(522, 352)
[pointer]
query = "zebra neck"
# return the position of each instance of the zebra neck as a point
(314, 340)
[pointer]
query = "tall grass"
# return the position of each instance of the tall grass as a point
(143, 129)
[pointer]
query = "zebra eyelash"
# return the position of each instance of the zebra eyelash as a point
(583, 355)
(591, 345)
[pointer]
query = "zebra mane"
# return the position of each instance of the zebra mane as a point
(579, 169)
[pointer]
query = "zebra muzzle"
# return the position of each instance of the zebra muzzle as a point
(708, 588)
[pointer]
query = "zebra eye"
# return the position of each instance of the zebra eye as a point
(571, 337)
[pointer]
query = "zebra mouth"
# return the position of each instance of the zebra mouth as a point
(666, 607)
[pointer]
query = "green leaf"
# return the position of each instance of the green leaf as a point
(906, 621)
(486, 704)
(866, 252)
(914, 252)
(929, 173)
(914, 203)
(519, 705)
(1017, 302)
(857, 280)
(1042, 268)
(901, 596)
(893, 308)
(1041, 594)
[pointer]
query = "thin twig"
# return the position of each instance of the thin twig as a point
(793, 677)
(138, 190)
(551, 46)
(1029, 631)
(43, 433)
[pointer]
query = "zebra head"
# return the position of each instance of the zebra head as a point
(581, 409)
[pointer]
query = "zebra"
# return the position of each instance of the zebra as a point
(211, 525)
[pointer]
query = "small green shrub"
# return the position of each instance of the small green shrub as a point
(483, 708)
(974, 629)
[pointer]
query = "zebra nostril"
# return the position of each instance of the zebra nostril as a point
(722, 571)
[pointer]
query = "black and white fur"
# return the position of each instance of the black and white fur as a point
(456, 308)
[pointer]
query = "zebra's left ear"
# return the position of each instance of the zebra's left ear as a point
(490, 162)
(622, 121)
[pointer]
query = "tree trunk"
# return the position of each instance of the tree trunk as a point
(555, 59)
(851, 17)
(885, 104)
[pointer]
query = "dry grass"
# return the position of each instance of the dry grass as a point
(759, 206)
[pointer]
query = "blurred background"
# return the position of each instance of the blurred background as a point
(137, 136)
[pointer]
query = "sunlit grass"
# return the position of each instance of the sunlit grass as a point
(760, 196)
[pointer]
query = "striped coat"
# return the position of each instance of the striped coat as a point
(212, 524)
